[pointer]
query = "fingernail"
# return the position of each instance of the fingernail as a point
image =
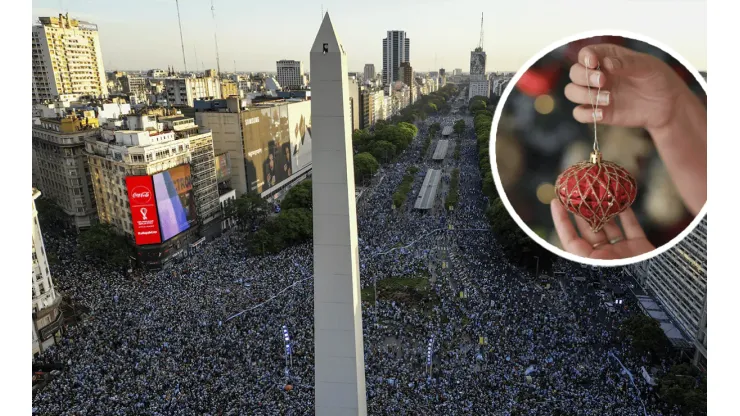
(594, 79)
(598, 115)
(588, 62)
(603, 98)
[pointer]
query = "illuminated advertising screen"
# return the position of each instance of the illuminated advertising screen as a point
(277, 143)
(143, 210)
(175, 201)
(223, 167)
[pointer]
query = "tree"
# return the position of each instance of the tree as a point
(477, 103)
(299, 196)
(251, 210)
(365, 166)
(434, 128)
(103, 245)
(52, 218)
(383, 151)
(459, 127)
(646, 336)
(686, 387)
(361, 139)
(432, 107)
(489, 186)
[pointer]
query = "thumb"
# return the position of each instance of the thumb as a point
(614, 59)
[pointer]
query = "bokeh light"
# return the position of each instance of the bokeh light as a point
(546, 192)
(544, 104)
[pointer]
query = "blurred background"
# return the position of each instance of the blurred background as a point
(537, 138)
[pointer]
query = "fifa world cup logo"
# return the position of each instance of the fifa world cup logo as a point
(143, 213)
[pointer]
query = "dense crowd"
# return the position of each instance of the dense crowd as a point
(205, 337)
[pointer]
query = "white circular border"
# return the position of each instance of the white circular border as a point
(497, 179)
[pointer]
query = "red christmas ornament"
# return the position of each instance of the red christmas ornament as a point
(596, 190)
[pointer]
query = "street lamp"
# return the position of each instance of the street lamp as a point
(537, 270)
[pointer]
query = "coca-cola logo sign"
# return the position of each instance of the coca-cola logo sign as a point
(141, 195)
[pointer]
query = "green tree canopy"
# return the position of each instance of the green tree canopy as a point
(646, 336)
(459, 127)
(299, 196)
(52, 218)
(686, 387)
(361, 139)
(104, 246)
(365, 166)
(251, 210)
(383, 151)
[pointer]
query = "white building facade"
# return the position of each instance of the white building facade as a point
(678, 280)
(184, 91)
(67, 60)
(46, 316)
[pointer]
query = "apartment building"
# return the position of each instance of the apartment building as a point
(60, 168)
(66, 59)
(46, 315)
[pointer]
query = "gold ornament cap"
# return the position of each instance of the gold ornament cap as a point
(595, 158)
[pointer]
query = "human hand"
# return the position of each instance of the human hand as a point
(639, 90)
(608, 244)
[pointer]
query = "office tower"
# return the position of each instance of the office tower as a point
(678, 279)
(339, 356)
(396, 50)
(67, 60)
(477, 64)
(60, 168)
(406, 74)
(269, 141)
(46, 316)
(369, 73)
(290, 74)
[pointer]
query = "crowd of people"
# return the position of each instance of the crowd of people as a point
(205, 336)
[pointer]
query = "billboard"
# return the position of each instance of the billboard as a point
(223, 167)
(143, 210)
(277, 143)
(175, 202)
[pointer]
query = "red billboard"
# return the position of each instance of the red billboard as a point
(143, 210)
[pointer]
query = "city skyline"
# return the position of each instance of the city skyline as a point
(443, 39)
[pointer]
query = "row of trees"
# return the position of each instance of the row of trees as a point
(517, 245)
(399, 197)
(426, 105)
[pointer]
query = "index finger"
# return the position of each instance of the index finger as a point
(567, 233)
(588, 58)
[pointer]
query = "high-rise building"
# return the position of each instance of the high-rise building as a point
(369, 73)
(182, 92)
(46, 316)
(441, 72)
(354, 85)
(457, 72)
(678, 280)
(133, 84)
(268, 142)
(148, 187)
(477, 64)
(67, 60)
(60, 167)
(290, 74)
(406, 74)
(396, 50)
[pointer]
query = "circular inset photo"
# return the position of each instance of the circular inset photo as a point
(599, 148)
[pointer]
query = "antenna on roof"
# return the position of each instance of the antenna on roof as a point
(196, 58)
(215, 38)
(480, 42)
(182, 43)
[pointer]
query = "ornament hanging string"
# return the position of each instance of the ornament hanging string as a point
(594, 103)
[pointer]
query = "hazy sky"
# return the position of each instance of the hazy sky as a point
(143, 34)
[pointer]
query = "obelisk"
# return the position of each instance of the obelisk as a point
(339, 354)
